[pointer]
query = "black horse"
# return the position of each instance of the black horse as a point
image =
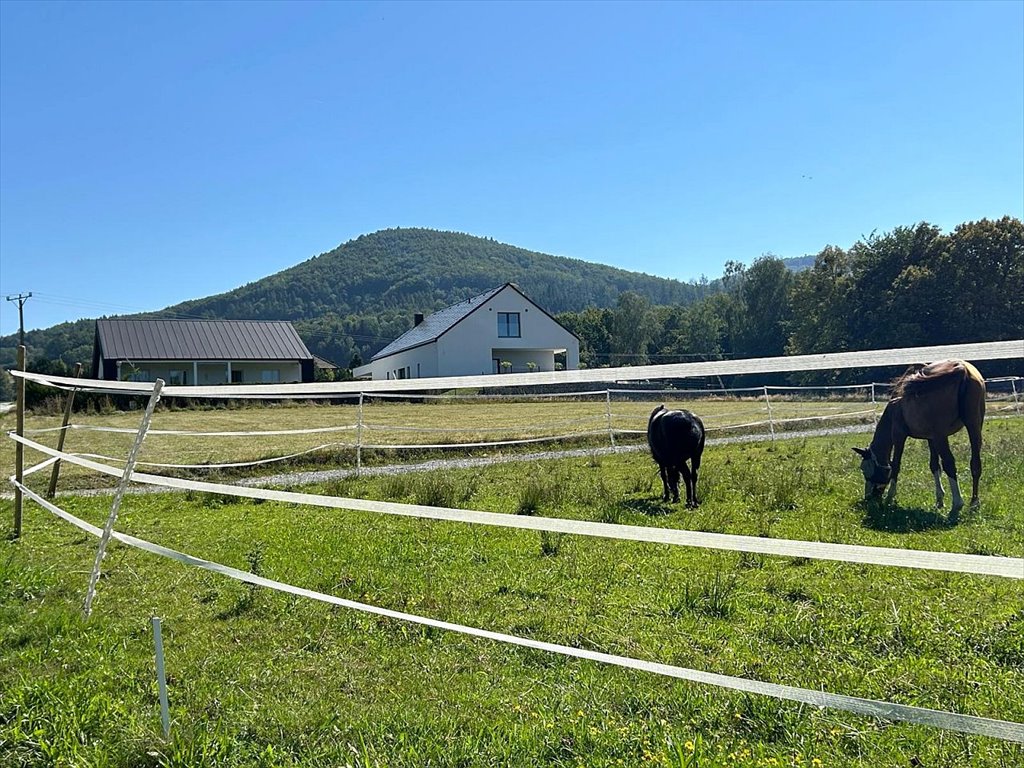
(676, 437)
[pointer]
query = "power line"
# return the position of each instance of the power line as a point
(21, 298)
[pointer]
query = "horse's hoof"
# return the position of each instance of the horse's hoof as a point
(975, 504)
(954, 514)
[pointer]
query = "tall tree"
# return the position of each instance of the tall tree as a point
(978, 288)
(766, 308)
(591, 328)
(631, 329)
(821, 305)
(884, 267)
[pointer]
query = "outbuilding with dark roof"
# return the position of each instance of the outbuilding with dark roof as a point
(200, 352)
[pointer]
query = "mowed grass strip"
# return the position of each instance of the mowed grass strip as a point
(262, 678)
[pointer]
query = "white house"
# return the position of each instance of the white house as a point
(499, 331)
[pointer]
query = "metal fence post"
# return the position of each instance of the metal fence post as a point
(608, 413)
(359, 438)
(161, 677)
(122, 486)
(1016, 401)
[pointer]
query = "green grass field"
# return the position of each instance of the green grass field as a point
(261, 678)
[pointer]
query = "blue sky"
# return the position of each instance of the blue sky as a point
(156, 152)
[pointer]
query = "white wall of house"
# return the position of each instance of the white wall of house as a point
(417, 363)
(472, 345)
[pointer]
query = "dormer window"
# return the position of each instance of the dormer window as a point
(508, 325)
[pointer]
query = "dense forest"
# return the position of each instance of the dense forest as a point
(912, 286)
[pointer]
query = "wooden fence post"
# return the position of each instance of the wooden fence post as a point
(52, 490)
(19, 449)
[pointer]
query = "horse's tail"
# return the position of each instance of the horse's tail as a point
(972, 383)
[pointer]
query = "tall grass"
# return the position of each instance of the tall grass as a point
(261, 678)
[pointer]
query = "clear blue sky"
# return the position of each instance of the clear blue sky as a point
(156, 152)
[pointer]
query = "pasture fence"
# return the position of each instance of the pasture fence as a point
(389, 425)
(783, 411)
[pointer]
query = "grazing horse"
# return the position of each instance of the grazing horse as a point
(931, 404)
(675, 437)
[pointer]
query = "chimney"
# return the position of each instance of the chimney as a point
(417, 319)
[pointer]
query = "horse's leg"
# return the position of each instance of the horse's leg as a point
(673, 480)
(933, 463)
(663, 470)
(974, 432)
(688, 479)
(695, 462)
(949, 465)
(897, 457)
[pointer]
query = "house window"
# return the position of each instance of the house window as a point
(508, 325)
(270, 376)
(177, 378)
(236, 376)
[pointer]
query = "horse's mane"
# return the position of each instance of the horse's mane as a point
(925, 378)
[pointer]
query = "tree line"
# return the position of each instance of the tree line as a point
(913, 286)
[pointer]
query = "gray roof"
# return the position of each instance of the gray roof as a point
(436, 324)
(199, 340)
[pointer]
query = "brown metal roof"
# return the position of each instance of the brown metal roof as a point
(200, 340)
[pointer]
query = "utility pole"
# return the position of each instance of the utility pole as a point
(21, 298)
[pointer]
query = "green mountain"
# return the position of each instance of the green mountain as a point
(363, 294)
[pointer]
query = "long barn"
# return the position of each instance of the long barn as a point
(200, 352)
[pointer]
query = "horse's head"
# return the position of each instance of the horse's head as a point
(876, 473)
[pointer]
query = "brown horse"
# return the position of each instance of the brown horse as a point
(931, 404)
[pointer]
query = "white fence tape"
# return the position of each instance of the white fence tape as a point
(988, 565)
(993, 350)
(187, 433)
(951, 721)
(226, 465)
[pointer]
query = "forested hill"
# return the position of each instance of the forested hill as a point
(424, 270)
(363, 294)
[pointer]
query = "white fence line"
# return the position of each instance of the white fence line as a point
(951, 721)
(713, 423)
(877, 358)
(1009, 567)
